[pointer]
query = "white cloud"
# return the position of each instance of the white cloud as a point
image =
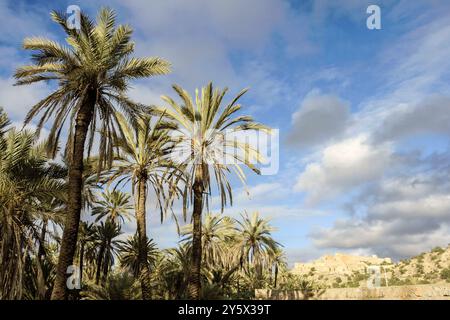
(343, 166)
(18, 100)
(402, 216)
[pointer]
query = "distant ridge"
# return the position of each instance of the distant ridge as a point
(343, 270)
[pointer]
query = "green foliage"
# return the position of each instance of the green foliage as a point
(420, 258)
(419, 268)
(394, 281)
(438, 250)
(115, 206)
(445, 274)
(119, 286)
(129, 253)
(32, 190)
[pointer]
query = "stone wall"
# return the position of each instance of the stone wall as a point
(413, 292)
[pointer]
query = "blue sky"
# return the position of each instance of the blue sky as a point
(364, 115)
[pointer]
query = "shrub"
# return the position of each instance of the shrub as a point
(445, 274)
(438, 250)
(419, 268)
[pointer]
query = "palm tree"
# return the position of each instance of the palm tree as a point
(92, 73)
(255, 242)
(278, 261)
(175, 275)
(204, 147)
(115, 206)
(4, 122)
(28, 186)
(143, 162)
(129, 254)
(105, 240)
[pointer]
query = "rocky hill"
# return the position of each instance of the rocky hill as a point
(343, 271)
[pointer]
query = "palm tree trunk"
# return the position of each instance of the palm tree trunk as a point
(101, 253)
(276, 276)
(142, 237)
(41, 250)
(40, 260)
(81, 263)
(194, 283)
(106, 262)
(105, 270)
(72, 220)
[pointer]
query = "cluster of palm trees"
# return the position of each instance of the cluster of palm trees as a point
(114, 143)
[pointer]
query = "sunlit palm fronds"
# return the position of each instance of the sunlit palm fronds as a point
(114, 205)
(255, 242)
(208, 142)
(96, 58)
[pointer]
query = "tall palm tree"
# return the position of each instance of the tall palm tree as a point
(92, 73)
(203, 146)
(143, 161)
(114, 205)
(255, 242)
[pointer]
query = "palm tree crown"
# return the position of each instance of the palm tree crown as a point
(207, 137)
(96, 61)
(115, 206)
(255, 239)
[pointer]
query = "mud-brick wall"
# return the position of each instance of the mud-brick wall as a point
(425, 291)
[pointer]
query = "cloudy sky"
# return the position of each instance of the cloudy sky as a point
(364, 115)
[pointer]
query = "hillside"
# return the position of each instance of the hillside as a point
(341, 270)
